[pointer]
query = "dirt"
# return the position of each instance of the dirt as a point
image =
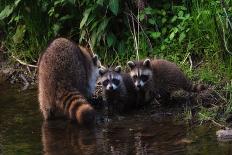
(27, 77)
(13, 72)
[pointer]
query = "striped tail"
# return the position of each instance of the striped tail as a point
(196, 87)
(77, 108)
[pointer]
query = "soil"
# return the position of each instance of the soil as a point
(27, 77)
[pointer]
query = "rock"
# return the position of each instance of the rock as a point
(224, 135)
(5, 73)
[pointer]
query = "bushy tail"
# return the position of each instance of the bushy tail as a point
(196, 87)
(76, 107)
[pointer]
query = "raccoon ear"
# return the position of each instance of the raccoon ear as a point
(147, 63)
(95, 59)
(131, 64)
(102, 71)
(118, 69)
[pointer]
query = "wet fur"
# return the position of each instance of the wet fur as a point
(66, 76)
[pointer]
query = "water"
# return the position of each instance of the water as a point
(23, 132)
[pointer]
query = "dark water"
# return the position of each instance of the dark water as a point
(22, 131)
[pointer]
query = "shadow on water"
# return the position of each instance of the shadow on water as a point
(22, 131)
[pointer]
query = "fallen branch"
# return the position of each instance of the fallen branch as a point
(24, 63)
(198, 64)
(213, 121)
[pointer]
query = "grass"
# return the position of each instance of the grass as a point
(207, 34)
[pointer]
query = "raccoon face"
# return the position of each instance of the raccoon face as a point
(111, 79)
(140, 73)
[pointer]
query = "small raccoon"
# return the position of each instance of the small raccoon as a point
(159, 78)
(118, 89)
(66, 77)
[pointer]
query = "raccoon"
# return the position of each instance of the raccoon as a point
(66, 77)
(118, 89)
(159, 78)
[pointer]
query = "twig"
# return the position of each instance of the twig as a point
(224, 36)
(191, 62)
(185, 58)
(138, 33)
(135, 40)
(24, 63)
(198, 64)
(213, 121)
(134, 17)
(225, 11)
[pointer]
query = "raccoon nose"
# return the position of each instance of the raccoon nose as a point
(111, 87)
(139, 85)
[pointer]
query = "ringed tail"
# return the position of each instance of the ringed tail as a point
(197, 87)
(77, 108)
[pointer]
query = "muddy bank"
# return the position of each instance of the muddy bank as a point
(179, 104)
(14, 72)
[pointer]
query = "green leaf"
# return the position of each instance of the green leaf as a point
(111, 39)
(172, 35)
(82, 35)
(16, 2)
(121, 47)
(148, 10)
(100, 2)
(66, 17)
(141, 17)
(182, 36)
(164, 20)
(162, 47)
(103, 25)
(151, 21)
(6, 12)
(94, 25)
(90, 19)
(84, 19)
(72, 2)
(155, 35)
(93, 38)
(173, 19)
(56, 28)
(180, 14)
(19, 34)
(114, 6)
(164, 30)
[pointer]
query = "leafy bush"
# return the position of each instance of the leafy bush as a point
(115, 27)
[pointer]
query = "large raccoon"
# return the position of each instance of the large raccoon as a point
(66, 77)
(118, 89)
(159, 78)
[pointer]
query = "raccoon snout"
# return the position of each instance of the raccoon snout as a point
(138, 85)
(110, 87)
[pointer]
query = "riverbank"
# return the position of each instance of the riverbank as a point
(212, 105)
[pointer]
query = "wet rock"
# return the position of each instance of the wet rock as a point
(5, 74)
(224, 135)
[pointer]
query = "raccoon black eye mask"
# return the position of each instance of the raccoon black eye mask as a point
(118, 89)
(159, 74)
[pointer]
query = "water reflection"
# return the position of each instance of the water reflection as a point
(22, 131)
(117, 137)
(62, 137)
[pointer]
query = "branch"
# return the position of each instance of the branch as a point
(24, 63)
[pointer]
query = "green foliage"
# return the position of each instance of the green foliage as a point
(194, 34)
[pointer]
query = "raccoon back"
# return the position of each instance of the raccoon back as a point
(63, 67)
(168, 76)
